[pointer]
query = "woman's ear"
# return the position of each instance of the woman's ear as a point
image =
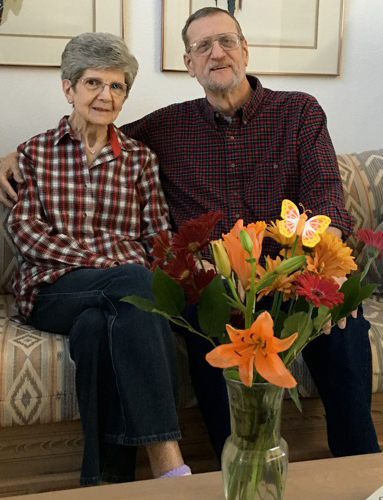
(68, 90)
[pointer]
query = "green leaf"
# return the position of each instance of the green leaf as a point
(213, 309)
(301, 323)
(294, 395)
(354, 294)
(169, 295)
(322, 314)
(278, 325)
(140, 302)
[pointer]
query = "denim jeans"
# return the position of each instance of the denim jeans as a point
(126, 376)
(341, 366)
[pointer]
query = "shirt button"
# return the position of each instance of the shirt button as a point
(238, 216)
(235, 193)
(275, 166)
(232, 165)
(245, 122)
(231, 137)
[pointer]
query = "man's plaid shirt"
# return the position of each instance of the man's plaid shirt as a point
(69, 215)
(277, 146)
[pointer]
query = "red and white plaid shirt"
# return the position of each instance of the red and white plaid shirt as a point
(70, 215)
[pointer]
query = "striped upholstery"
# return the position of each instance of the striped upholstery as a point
(37, 375)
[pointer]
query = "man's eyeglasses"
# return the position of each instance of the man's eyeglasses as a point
(96, 85)
(227, 41)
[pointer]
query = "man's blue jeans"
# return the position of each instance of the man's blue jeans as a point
(126, 376)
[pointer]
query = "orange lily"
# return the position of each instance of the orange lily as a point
(237, 254)
(255, 347)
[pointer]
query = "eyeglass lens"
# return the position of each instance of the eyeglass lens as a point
(95, 84)
(227, 41)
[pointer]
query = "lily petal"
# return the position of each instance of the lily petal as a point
(272, 369)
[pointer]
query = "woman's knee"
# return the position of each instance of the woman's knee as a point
(133, 279)
(88, 331)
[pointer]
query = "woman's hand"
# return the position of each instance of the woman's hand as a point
(9, 169)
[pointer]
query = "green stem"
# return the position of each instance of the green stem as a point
(182, 322)
(366, 268)
(250, 296)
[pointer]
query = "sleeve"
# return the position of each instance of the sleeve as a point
(321, 186)
(154, 210)
(36, 240)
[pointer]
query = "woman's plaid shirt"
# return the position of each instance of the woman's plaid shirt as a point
(69, 215)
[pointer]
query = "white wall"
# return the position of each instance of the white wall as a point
(31, 100)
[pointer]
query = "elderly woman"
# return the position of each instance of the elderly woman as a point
(87, 213)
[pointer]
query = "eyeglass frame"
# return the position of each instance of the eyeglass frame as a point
(213, 38)
(103, 85)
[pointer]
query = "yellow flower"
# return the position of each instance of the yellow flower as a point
(331, 257)
(272, 231)
(221, 258)
(282, 283)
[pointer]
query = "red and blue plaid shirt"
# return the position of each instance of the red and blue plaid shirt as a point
(71, 215)
(277, 146)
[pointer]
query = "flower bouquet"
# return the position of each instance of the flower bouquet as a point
(259, 313)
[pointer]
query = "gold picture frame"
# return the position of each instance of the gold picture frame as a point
(285, 37)
(35, 32)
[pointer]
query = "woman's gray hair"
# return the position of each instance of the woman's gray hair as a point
(205, 12)
(97, 51)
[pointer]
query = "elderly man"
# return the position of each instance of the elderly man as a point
(243, 149)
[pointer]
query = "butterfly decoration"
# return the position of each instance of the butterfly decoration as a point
(231, 4)
(299, 224)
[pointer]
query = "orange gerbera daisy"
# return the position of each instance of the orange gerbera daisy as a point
(282, 282)
(272, 231)
(237, 254)
(331, 257)
(255, 347)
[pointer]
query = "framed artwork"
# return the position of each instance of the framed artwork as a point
(284, 36)
(35, 32)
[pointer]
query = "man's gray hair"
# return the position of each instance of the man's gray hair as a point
(205, 12)
(97, 51)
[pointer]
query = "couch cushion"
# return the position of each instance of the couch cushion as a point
(37, 376)
(7, 259)
(363, 188)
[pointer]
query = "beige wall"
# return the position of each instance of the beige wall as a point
(31, 100)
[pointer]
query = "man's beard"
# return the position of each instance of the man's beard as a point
(222, 87)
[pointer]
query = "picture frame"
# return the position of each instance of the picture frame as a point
(285, 37)
(35, 32)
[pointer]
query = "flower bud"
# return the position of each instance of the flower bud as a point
(246, 241)
(290, 265)
(221, 258)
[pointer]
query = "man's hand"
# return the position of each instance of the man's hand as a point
(9, 169)
(343, 322)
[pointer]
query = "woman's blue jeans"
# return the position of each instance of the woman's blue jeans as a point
(126, 374)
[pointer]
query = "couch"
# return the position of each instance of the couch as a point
(40, 431)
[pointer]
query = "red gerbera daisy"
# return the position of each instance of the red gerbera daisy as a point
(199, 282)
(162, 250)
(194, 235)
(182, 267)
(318, 290)
(373, 239)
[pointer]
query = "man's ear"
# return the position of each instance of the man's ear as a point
(189, 64)
(245, 51)
(68, 90)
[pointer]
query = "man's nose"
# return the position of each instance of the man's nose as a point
(216, 50)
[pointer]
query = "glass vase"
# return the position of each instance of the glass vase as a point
(255, 456)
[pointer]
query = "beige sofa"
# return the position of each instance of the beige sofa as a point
(40, 432)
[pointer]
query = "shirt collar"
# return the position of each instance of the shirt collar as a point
(246, 112)
(117, 140)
